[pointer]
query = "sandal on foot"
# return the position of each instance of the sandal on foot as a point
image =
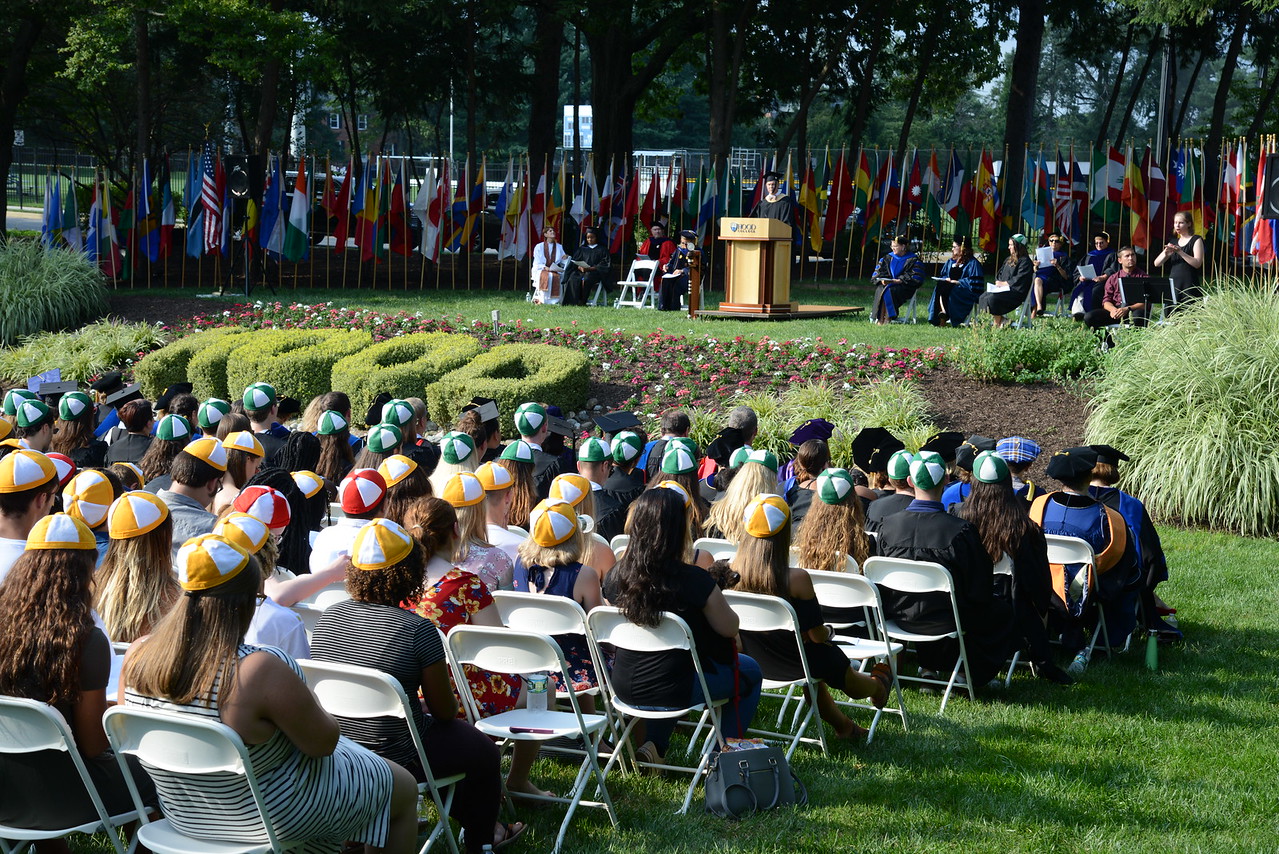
(647, 752)
(882, 674)
(511, 831)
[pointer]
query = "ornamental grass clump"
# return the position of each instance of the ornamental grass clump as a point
(1053, 350)
(1196, 405)
(46, 290)
(83, 354)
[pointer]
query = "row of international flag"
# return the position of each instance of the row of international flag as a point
(1133, 192)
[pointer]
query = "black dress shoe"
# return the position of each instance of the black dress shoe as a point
(1051, 672)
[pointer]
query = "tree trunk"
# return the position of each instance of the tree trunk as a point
(1021, 89)
(1190, 90)
(1216, 125)
(142, 68)
(861, 103)
(798, 126)
(1115, 88)
(728, 40)
(472, 90)
(268, 98)
(917, 87)
(1152, 49)
(544, 91)
(13, 88)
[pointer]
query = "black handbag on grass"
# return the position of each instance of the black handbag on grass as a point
(741, 782)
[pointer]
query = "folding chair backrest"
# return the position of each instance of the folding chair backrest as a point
(850, 564)
(619, 543)
(717, 547)
(843, 590)
(502, 650)
(761, 613)
(596, 538)
(175, 741)
(29, 725)
(536, 612)
(1066, 550)
(518, 531)
(328, 596)
(642, 270)
(908, 576)
(350, 691)
(608, 625)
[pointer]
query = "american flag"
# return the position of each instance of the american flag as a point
(209, 200)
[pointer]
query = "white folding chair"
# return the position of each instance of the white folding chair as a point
(717, 547)
(518, 531)
(1066, 551)
(185, 744)
(619, 543)
(760, 613)
(637, 288)
(502, 650)
(608, 626)
(550, 615)
(916, 577)
(851, 591)
(850, 564)
(350, 691)
(313, 607)
(29, 726)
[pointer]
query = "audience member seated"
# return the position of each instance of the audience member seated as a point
(963, 283)
(325, 787)
(244, 458)
(628, 477)
(756, 475)
(77, 418)
(197, 476)
(517, 459)
(28, 483)
(1114, 306)
(172, 434)
(924, 531)
(498, 491)
(835, 527)
(762, 561)
(674, 423)
(135, 586)
(1012, 283)
(52, 650)
(1008, 534)
(1054, 278)
(533, 424)
(273, 624)
(679, 465)
(1088, 291)
(576, 491)
(811, 459)
(473, 552)
(406, 484)
(965, 454)
(595, 463)
(261, 405)
(457, 454)
(899, 495)
(653, 576)
(1020, 453)
(33, 425)
(897, 276)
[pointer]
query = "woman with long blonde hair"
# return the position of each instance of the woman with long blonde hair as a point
(472, 551)
(577, 491)
(136, 587)
(835, 528)
(756, 475)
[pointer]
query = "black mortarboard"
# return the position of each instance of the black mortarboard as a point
(814, 428)
(374, 415)
(1071, 464)
(163, 401)
(970, 448)
(124, 395)
(872, 447)
(772, 176)
(57, 389)
(689, 234)
(287, 406)
(557, 425)
(484, 407)
(109, 382)
(615, 422)
(945, 443)
(1109, 455)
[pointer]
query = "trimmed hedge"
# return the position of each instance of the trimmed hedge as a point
(512, 374)
(162, 368)
(403, 366)
(207, 368)
(298, 363)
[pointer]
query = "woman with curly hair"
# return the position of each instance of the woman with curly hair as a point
(835, 527)
(763, 562)
(371, 630)
(756, 475)
(51, 650)
(653, 576)
(136, 587)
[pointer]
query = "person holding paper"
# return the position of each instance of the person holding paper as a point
(897, 276)
(1115, 304)
(1012, 282)
(590, 265)
(1091, 274)
(1054, 270)
(959, 286)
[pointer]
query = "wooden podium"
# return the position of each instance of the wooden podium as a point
(757, 271)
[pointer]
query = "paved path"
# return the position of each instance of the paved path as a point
(23, 220)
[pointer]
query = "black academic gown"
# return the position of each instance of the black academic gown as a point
(580, 284)
(925, 532)
(884, 506)
(625, 487)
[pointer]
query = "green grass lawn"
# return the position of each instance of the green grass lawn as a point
(478, 305)
(1177, 760)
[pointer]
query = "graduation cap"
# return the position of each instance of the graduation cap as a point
(772, 176)
(171, 392)
(374, 415)
(945, 443)
(484, 407)
(287, 406)
(559, 426)
(108, 383)
(814, 428)
(1109, 455)
(124, 395)
(725, 442)
(1071, 464)
(688, 234)
(57, 389)
(873, 446)
(970, 448)
(615, 422)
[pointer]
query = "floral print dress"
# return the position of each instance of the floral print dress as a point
(452, 601)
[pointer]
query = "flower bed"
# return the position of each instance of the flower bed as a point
(662, 370)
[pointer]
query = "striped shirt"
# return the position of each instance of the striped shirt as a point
(397, 642)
